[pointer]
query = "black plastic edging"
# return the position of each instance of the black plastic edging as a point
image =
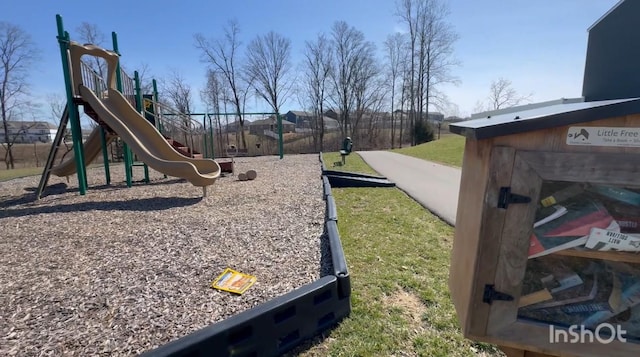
(269, 329)
(326, 187)
(348, 181)
(338, 259)
(332, 210)
(278, 325)
(351, 174)
(322, 165)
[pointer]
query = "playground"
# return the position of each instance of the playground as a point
(121, 270)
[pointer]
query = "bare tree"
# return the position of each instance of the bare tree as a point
(178, 91)
(431, 40)
(269, 62)
(90, 33)
(223, 55)
(214, 96)
(503, 95)
(57, 104)
(394, 49)
(317, 67)
(179, 94)
(17, 54)
(146, 78)
(352, 56)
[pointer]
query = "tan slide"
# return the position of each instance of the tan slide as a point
(146, 142)
(92, 148)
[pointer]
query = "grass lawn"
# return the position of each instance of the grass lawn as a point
(6, 175)
(398, 257)
(448, 150)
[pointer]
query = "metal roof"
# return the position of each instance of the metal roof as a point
(606, 14)
(544, 118)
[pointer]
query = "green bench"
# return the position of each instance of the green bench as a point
(347, 146)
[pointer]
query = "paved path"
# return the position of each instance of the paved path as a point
(434, 186)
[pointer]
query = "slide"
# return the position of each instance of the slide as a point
(146, 142)
(92, 148)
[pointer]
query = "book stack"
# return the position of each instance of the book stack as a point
(585, 216)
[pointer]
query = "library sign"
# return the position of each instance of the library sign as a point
(603, 136)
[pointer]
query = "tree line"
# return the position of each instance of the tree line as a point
(339, 70)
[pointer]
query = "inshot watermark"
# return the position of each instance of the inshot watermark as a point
(603, 333)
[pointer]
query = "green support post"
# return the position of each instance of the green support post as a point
(213, 143)
(280, 139)
(204, 137)
(125, 147)
(105, 155)
(74, 115)
(139, 106)
(155, 99)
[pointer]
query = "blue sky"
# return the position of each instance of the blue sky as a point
(539, 45)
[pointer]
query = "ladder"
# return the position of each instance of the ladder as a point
(57, 142)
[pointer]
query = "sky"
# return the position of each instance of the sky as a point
(539, 46)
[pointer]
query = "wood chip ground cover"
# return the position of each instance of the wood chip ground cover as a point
(122, 270)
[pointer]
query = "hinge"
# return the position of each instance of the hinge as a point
(506, 198)
(491, 294)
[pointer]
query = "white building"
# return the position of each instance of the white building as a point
(29, 132)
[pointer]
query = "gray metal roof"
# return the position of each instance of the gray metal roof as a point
(545, 117)
(605, 15)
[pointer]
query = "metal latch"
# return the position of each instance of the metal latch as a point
(490, 294)
(506, 198)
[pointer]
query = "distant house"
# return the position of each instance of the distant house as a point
(29, 132)
(233, 126)
(435, 117)
(297, 117)
(258, 127)
(306, 121)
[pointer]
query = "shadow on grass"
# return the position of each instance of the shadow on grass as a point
(136, 205)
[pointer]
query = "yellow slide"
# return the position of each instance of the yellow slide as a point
(145, 141)
(92, 148)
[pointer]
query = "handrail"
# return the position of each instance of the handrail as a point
(91, 79)
(76, 51)
(174, 123)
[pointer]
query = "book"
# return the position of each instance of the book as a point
(604, 240)
(545, 215)
(534, 298)
(563, 194)
(617, 193)
(570, 229)
(233, 281)
(627, 296)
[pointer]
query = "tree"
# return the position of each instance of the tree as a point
(503, 95)
(223, 56)
(57, 104)
(394, 48)
(316, 69)
(179, 94)
(269, 62)
(17, 54)
(215, 95)
(431, 40)
(352, 70)
(90, 33)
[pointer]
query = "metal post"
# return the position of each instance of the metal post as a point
(105, 155)
(155, 111)
(125, 147)
(204, 137)
(74, 115)
(213, 143)
(280, 139)
(139, 107)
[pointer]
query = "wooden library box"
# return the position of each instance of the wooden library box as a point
(545, 257)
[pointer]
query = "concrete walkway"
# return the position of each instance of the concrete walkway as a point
(433, 185)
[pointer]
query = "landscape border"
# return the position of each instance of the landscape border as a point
(278, 325)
